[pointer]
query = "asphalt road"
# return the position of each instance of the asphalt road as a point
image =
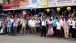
(33, 39)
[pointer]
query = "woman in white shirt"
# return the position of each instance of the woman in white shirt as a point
(58, 28)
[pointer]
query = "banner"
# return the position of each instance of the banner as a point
(31, 4)
(57, 3)
(52, 3)
(13, 6)
(64, 2)
(34, 4)
(73, 2)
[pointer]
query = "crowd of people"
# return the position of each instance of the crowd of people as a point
(60, 26)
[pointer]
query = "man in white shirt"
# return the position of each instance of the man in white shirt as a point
(70, 24)
(37, 26)
(61, 23)
(58, 28)
(74, 29)
(32, 25)
(43, 30)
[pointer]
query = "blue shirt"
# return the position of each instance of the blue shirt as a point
(54, 22)
(9, 24)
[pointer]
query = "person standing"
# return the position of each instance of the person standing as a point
(54, 26)
(9, 27)
(58, 28)
(23, 29)
(70, 24)
(37, 26)
(29, 25)
(0, 25)
(74, 29)
(43, 24)
(32, 24)
(66, 28)
(61, 23)
(15, 24)
(21, 19)
(6, 22)
(50, 32)
(3, 25)
(12, 20)
(18, 27)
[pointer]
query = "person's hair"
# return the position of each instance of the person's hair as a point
(50, 19)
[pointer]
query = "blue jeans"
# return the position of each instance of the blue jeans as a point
(14, 30)
(9, 30)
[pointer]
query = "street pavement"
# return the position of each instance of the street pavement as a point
(33, 39)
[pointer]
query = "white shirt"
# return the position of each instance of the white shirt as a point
(43, 23)
(21, 21)
(24, 23)
(73, 22)
(29, 22)
(69, 22)
(32, 23)
(12, 20)
(58, 25)
(49, 22)
(61, 22)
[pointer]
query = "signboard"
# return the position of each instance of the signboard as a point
(30, 4)
(64, 2)
(34, 4)
(73, 2)
(52, 3)
(11, 6)
(57, 3)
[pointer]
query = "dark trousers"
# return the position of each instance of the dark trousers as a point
(0, 28)
(18, 28)
(37, 29)
(14, 30)
(54, 29)
(74, 33)
(28, 29)
(43, 31)
(5, 30)
(70, 31)
(58, 33)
